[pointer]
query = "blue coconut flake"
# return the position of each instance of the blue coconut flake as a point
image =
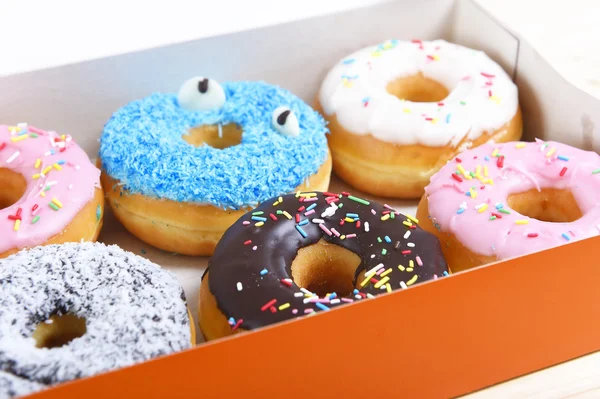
(143, 148)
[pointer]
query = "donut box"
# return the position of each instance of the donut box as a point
(440, 339)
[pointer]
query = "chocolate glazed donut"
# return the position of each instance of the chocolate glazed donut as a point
(278, 262)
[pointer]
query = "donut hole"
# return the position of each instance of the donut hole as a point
(417, 88)
(13, 187)
(325, 268)
(230, 135)
(548, 205)
(58, 330)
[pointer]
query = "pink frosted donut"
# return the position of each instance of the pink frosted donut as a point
(499, 201)
(49, 190)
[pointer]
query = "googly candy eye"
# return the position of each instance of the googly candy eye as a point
(201, 94)
(285, 122)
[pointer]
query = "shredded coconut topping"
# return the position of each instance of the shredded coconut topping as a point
(134, 311)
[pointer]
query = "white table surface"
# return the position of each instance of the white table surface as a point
(36, 35)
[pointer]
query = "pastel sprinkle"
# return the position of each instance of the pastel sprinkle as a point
(563, 171)
(325, 229)
(311, 207)
(239, 322)
(19, 138)
(566, 236)
(268, 304)
(53, 206)
(284, 306)
(35, 219)
(263, 272)
(385, 273)
(321, 306)
(412, 218)
(359, 200)
(301, 231)
(412, 280)
(239, 286)
(563, 158)
(381, 282)
(13, 156)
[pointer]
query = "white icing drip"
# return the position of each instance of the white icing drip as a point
(355, 91)
(134, 310)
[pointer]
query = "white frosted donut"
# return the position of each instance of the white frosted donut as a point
(12, 386)
(482, 96)
(133, 310)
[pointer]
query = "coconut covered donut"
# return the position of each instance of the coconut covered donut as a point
(49, 190)
(180, 169)
(399, 110)
(311, 252)
(499, 201)
(12, 386)
(75, 310)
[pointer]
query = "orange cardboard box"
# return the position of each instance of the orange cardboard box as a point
(437, 339)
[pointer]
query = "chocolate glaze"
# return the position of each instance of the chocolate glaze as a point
(278, 241)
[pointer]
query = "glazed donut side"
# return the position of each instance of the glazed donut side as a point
(395, 170)
(189, 229)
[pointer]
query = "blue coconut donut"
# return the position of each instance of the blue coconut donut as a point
(175, 180)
